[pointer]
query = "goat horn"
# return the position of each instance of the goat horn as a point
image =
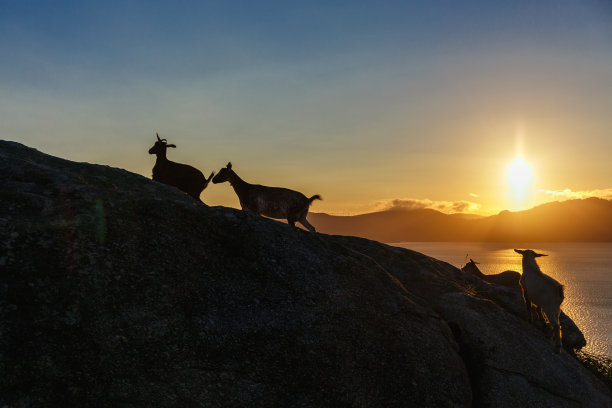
(158, 137)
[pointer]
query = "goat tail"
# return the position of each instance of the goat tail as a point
(311, 199)
(314, 197)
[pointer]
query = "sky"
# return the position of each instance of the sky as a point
(373, 105)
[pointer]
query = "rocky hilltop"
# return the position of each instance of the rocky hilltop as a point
(117, 291)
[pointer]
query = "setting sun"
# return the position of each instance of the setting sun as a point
(519, 174)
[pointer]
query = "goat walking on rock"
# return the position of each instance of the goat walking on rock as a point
(542, 291)
(274, 202)
(182, 176)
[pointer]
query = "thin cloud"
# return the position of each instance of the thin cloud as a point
(473, 195)
(449, 207)
(568, 194)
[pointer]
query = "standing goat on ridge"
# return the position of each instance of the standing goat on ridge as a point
(542, 291)
(182, 176)
(274, 202)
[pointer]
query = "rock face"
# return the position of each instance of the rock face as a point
(119, 291)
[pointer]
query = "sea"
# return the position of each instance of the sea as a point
(585, 269)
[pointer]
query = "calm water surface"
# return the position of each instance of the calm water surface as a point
(584, 268)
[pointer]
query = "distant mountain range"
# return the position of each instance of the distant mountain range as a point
(573, 220)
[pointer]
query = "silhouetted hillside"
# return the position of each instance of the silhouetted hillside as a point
(574, 220)
(118, 291)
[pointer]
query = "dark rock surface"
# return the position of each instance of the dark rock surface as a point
(119, 291)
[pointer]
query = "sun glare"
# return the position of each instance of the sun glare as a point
(519, 174)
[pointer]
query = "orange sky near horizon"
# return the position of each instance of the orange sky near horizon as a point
(412, 104)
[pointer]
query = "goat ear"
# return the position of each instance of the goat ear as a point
(518, 251)
(170, 145)
(229, 165)
(540, 255)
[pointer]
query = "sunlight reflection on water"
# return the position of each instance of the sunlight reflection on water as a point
(584, 268)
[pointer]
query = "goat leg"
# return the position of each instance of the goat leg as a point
(528, 305)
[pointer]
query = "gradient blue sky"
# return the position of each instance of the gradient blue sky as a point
(370, 104)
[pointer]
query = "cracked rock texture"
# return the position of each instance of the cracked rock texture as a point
(117, 291)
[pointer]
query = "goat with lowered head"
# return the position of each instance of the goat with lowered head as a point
(505, 278)
(273, 202)
(542, 291)
(182, 176)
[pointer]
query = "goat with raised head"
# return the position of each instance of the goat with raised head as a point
(505, 278)
(542, 291)
(182, 176)
(273, 202)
